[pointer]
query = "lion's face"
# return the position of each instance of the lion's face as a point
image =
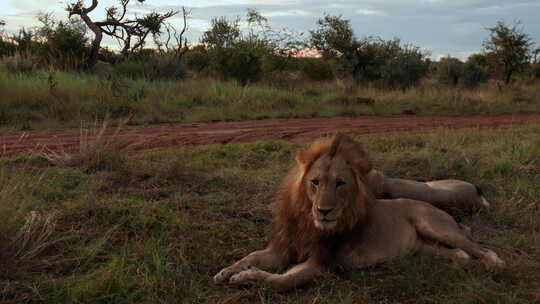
(331, 187)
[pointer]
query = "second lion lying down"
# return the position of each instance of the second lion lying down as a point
(326, 215)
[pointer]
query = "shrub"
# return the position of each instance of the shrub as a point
(7, 48)
(240, 61)
(20, 64)
(449, 71)
(168, 67)
(405, 69)
(197, 58)
(315, 69)
(154, 67)
(536, 70)
(473, 75)
(133, 68)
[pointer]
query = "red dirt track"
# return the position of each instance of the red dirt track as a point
(155, 137)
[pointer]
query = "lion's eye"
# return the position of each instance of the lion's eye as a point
(315, 182)
(339, 183)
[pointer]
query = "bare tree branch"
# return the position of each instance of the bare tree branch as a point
(116, 26)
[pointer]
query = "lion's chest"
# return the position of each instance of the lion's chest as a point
(383, 238)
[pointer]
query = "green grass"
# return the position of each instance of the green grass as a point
(55, 99)
(155, 227)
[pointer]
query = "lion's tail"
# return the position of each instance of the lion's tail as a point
(483, 200)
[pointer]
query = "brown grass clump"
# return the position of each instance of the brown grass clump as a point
(34, 249)
(98, 149)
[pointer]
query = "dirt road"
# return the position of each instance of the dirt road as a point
(177, 135)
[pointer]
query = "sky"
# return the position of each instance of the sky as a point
(442, 27)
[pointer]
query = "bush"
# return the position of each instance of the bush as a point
(20, 64)
(449, 71)
(7, 48)
(197, 58)
(154, 68)
(536, 70)
(315, 69)
(473, 75)
(133, 68)
(406, 69)
(240, 61)
(168, 67)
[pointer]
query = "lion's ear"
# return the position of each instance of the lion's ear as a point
(302, 157)
(362, 165)
(355, 154)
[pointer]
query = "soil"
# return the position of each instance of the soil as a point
(155, 137)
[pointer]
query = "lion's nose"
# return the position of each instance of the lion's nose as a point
(324, 212)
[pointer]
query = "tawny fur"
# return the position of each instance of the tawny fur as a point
(326, 215)
(453, 196)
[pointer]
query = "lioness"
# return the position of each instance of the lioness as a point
(326, 215)
(453, 196)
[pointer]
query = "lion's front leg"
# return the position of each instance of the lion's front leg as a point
(294, 277)
(265, 259)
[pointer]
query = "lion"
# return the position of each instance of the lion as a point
(453, 196)
(325, 216)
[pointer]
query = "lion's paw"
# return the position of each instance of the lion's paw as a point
(491, 260)
(252, 274)
(225, 274)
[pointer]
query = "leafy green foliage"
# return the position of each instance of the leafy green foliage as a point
(405, 69)
(222, 32)
(237, 56)
(59, 45)
(241, 60)
(473, 74)
(65, 42)
(452, 72)
(334, 34)
(449, 71)
(370, 58)
(510, 48)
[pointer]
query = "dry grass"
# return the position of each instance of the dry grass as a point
(95, 150)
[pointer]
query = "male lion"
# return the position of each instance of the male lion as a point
(325, 215)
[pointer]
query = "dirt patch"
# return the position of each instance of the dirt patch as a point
(163, 136)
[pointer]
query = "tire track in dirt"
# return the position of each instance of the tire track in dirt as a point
(155, 137)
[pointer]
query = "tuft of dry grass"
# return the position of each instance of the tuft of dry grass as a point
(95, 150)
(35, 236)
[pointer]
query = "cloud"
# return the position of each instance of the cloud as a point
(292, 12)
(370, 12)
(455, 27)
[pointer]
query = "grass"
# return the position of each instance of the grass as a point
(55, 99)
(155, 227)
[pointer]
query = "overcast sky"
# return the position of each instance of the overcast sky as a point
(454, 27)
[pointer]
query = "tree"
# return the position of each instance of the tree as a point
(179, 46)
(62, 44)
(118, 26)
(334, 35)
(369, 58)
(536, 52)
(222, 33)
(510, 47)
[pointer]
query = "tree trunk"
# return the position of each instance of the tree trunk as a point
(508, 77)
(97, 40)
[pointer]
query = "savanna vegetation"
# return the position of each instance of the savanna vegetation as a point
(103, 227)
(57, 74)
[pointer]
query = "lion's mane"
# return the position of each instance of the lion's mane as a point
(294, 233)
